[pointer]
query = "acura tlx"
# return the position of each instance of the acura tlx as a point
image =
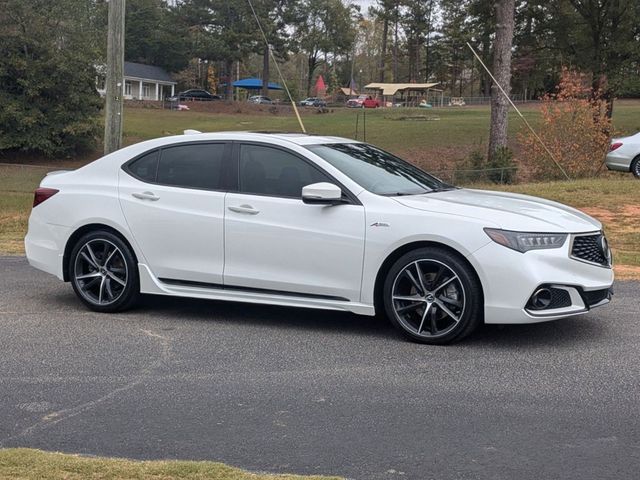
(313, 221)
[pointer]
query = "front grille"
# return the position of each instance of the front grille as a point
(559, 298)
(595, 296)
(589, 248)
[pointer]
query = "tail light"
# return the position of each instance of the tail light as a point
(614, 146)
(41, 194)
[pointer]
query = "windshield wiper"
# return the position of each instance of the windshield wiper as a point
(402, 194)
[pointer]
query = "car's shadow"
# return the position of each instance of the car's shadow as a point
(580, 331)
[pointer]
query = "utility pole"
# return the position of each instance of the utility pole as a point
(115, 77)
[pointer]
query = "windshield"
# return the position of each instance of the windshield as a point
(378, 171)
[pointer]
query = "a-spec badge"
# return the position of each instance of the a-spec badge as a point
(380, 224)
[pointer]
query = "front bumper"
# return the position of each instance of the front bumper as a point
(510, 278)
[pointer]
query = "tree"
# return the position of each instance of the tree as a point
(155, 35)
(384, 13)
(219, 30)
(608, 32)
(274, 17)
(505, 19)
(324, 27)
(48, 98)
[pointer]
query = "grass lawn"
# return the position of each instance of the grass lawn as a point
(438, 143)
(27, 464)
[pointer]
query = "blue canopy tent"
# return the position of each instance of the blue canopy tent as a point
(255, 84)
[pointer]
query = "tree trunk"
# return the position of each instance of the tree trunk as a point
(265, 72)
(228, 66)
(505, 10)
(383, 56)
(395, 44)
(312, 63)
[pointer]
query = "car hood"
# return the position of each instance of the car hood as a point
(509, 211)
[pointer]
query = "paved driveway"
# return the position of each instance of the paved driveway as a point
(278, 389)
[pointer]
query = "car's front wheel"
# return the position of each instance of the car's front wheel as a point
(103, 272)
(432, 296)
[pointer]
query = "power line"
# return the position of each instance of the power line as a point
(293, 104)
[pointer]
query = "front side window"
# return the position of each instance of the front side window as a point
(377, 171)
(274, 172)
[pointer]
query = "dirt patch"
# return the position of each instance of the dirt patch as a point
(626, 272)
(631, 211)
(601, 214)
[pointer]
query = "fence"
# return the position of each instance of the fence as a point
(445, 101)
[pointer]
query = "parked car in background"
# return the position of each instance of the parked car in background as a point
(356, 102)
(260, 99)
(317, 222)
(370, 102)
(624, 155)
(313, 102)
(195, 95)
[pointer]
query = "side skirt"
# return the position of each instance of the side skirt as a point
(149, 284)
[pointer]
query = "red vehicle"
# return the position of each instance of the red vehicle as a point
(363, 101)
(370, 103)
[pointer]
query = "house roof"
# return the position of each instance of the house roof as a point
(146, 72)
(393, 88)
(348, 91)
(255, 84)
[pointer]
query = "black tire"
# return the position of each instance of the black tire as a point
(460, 294)
(112, 269)
(635, 167)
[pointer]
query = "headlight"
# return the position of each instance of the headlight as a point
(525, 241)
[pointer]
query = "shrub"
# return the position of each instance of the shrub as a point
(48, 100)
(575, 128)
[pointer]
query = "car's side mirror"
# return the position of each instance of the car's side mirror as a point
(322, 193)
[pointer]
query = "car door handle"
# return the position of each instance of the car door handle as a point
(244, 209)
(146, 196)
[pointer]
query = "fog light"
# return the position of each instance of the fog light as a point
(541, 299)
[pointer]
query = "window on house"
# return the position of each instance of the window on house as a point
(127, 88)
(146, 90)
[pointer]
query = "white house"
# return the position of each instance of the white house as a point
(144, 82)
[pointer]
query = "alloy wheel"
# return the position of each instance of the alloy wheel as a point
(428, 298)
(100, 272)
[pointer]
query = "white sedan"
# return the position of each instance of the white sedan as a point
(313, 221)
(624, 155)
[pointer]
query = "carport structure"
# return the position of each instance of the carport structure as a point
(410, 94)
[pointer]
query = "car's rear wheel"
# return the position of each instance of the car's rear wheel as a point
(103, 272)
(635, 167)
(432, 296)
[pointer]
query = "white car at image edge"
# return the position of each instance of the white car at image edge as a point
(624, 155)
(313, 221)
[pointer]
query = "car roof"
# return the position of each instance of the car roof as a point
(291, 137)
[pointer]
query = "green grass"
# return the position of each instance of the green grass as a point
(28, 464)
(451, 130)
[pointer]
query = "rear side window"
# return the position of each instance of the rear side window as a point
(192, 166)
(271, 171)
(145, 167)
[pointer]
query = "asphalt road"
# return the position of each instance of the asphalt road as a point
(292, 390)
